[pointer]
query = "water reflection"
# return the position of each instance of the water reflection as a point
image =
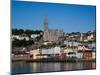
(25, 67)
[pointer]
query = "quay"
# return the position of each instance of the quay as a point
(54, 60)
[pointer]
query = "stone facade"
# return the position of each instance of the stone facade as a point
(51, 35)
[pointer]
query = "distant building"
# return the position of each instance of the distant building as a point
(55, 50)
(93, 54)
(34, 53)
(51, 35)
(79, 54)
(34, 35)
(87, 54)
(20, 37)
(71, 43)
(81, 47)
(70, 53)
(88, 36)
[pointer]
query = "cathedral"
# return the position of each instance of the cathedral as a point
(51, 35)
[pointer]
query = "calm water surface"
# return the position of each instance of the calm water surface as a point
(26, 67)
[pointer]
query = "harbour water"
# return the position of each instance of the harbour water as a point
(34, 67)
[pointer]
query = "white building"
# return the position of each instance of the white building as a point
(34, 35)
(90, 37)
(93, 44)
(20, 37)
(94, 55)
(79, 54)
(71, 43)
(70, 53)
(80, 47)
(55, 50)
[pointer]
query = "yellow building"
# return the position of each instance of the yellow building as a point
(34, 53)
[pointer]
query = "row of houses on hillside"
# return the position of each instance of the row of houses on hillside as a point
(27, 38)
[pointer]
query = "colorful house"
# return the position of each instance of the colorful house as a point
(87, 54)
(33, 53)
(79, 54)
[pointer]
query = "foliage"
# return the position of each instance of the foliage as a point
(21, 43)
(27, 31)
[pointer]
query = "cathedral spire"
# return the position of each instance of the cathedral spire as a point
(46, 22)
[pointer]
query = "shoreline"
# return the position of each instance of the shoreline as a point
(32, 60)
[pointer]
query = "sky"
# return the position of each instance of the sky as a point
(66, 17)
